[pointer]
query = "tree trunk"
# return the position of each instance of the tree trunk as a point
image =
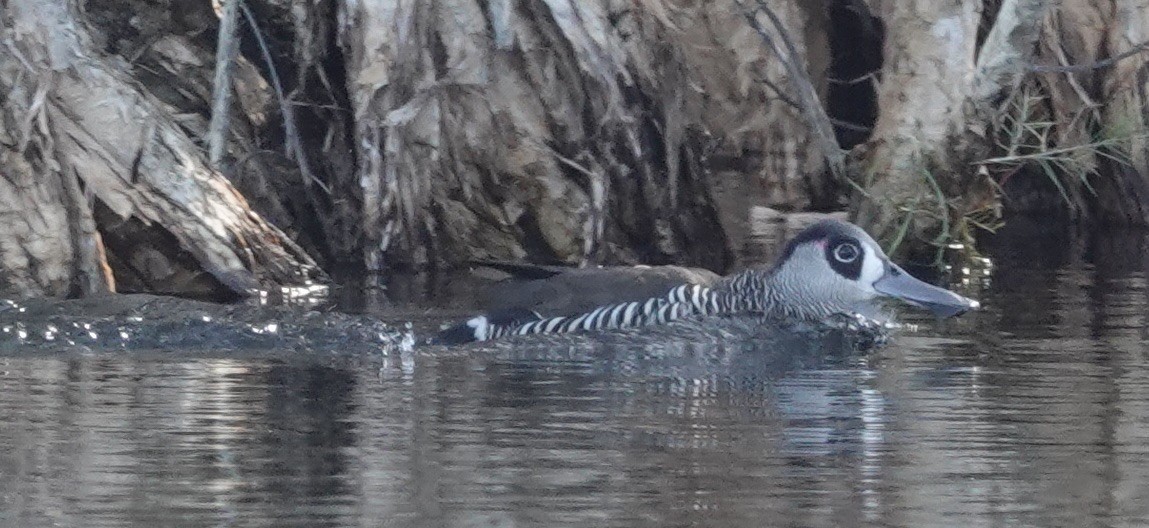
(936, 99)
(97, 175)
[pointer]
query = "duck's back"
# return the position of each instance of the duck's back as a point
(557, 291)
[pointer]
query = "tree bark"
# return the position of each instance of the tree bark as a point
(570, 131)
(1124, 197)
(1086, 100)
(96, 172)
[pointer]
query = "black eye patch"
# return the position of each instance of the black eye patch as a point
(845, 257)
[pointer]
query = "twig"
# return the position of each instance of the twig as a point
(1074, 82)
(781, 94)
(1104, 63)
(864, 77)
(1052, 153)
(841, 123)
(226, 47)
(794, 104)
(816, 117)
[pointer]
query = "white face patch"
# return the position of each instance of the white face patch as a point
(872, 269)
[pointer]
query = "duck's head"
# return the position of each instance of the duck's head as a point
(836, 267)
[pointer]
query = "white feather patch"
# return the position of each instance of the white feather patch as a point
(480, 326)
(872, 269)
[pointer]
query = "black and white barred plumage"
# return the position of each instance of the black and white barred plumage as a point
(682, 301)
(747, 292)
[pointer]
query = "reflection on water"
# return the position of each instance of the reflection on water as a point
(1032, 412)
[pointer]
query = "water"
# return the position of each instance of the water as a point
(1033, 412)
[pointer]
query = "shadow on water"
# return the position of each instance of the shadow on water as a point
(1034, 411)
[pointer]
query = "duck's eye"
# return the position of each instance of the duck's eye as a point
(846, 252)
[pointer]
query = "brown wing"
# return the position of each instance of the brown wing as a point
(555, 291)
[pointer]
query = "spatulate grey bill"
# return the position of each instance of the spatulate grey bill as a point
(831, 268)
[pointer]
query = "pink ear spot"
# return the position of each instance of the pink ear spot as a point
(821, 243)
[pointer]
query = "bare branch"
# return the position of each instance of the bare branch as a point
(781, 94)
(226, 47)
(294, 143)
(816, 117)
(841, 123)
(1101, 64)
(871, 76)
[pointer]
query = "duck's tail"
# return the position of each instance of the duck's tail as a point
(483, 327)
